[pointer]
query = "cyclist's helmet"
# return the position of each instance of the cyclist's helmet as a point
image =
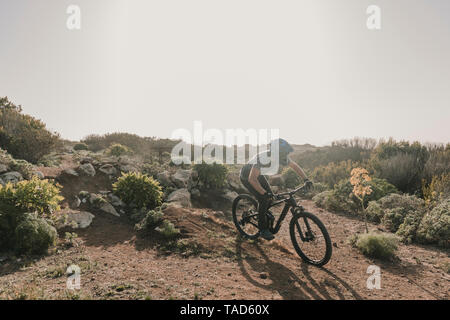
(283, 145)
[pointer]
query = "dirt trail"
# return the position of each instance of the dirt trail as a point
(116, 264)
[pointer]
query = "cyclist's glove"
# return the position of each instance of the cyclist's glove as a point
(308, 184)
(268, 195)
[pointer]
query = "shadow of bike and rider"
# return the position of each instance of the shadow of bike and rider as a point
(287, 283)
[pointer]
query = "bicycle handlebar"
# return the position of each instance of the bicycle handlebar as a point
(290, 193)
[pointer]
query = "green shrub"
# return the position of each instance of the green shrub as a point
(10, 216)
(316, 189)
(342, 199)
(399, 213)
(117, 150)
(132, 141)
(356, 150)
(37, 195)
(80, 146)
(377, 245)
(138, 190)
(23, 136)
(24, 167)
(332, 173)
(437, 190)
(380, 188)
(152, 169)
(400, 163)
(291, 178)
(152, 219)
(321, 199)
(438, 163)
(211, 175)
(167, 230)
(435, 225)
(34, 235)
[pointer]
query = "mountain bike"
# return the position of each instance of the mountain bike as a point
(308, 234)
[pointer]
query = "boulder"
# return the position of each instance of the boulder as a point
(128, 168)
(180, 197)
(108, 208)
(76, 219)
(95, 199)
(115, 200)
(164, 179)
(195, 193)
(108, 169)
(76, 202)
(276, 180)
(229, 195)
(86, 169)
(70, 172)
(100, 203)
(234, 182)
(86, 160)
(39, 174)
(181, 178)
(3, 168)
(12, 177)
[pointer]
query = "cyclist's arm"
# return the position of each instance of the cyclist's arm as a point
(253, 179)
(297, 169)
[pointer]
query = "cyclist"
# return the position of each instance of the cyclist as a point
(257, 184)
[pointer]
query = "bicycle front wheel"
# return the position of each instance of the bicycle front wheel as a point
(310, 239)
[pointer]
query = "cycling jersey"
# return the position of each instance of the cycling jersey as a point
(263, 160)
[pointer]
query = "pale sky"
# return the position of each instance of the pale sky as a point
(310, 68)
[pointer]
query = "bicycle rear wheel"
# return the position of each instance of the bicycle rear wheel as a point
(310, 238)
(245, 216)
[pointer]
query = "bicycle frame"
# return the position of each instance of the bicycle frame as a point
(289, 203)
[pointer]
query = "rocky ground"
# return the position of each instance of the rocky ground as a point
(212, 261)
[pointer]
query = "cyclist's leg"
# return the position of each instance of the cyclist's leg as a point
(263, 203)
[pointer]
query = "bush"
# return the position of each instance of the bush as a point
(332, 173)
(138, 190)
(399, 213)
(80, 146)
(380, 188)
(435, 226)
(23, 136)
(315, 190)
(34, 235)
(400, 163)
(377, 245)
(291, 178)
(152, 169)
(152, 219)
(356, 150)
(167, 230)
(211, 175)
(437, 190)
(24, 167)
(342, 199)
(117, 150)
(37, 195)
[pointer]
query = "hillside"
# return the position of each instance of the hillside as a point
(210, 261)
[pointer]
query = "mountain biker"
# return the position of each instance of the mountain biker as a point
(257, 184)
